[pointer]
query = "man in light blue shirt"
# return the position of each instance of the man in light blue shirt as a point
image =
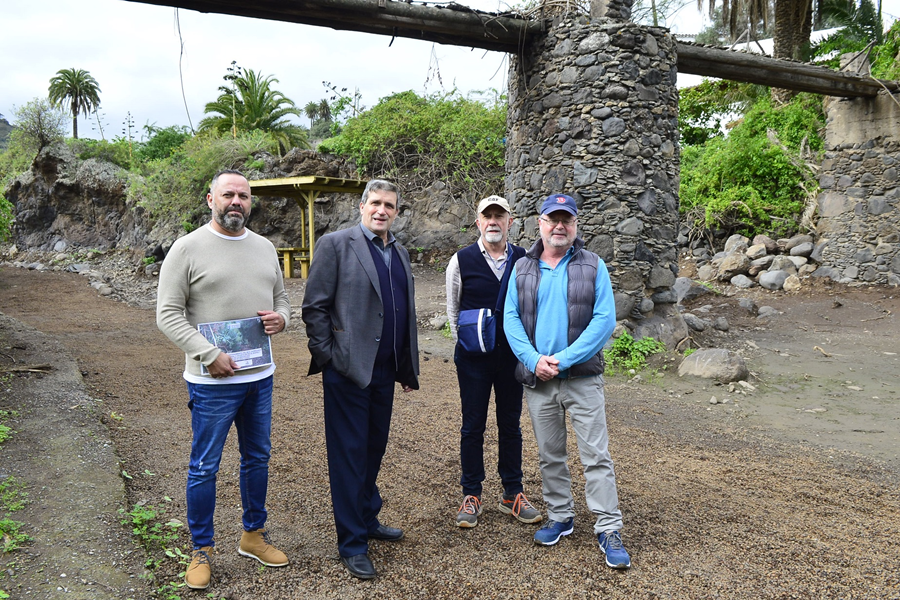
(558, 315)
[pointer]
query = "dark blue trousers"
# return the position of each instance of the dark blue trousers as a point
(356, 435)
(478, 374)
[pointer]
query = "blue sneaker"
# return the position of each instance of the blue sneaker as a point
(550, 533)
(611, 546)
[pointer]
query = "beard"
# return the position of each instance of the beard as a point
(231, 222)
(559, 241)
(493, 237)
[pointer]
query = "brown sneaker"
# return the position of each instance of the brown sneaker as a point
(198, 574)
(256, 544)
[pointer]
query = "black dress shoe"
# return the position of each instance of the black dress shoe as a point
(390, 534)
(359, 566)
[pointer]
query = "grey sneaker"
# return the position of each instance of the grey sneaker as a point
(519, 507)
(468, 512)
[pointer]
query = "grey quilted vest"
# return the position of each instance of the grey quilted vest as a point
(582, 273)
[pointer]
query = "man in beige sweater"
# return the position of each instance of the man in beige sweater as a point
(223, 272)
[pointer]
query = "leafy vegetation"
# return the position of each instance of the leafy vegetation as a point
(862, 30)
(79, 90)
(250, 103)
(885, 58)
(749, 174)
(626, 354)
(177, 185)
(159, 539)
(755, 179)
(6, 217)
(704, 110)
(860, 26)
(12, 497)
(5, 430)
(118, 152)
(38, 124)
(418, 140)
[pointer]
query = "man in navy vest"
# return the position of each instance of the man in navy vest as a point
(360, 315)
(477, 277)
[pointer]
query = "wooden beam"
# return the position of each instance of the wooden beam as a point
(458, 25)
(452, 24)
(792, 75)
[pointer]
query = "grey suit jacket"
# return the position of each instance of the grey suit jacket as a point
(343, 311)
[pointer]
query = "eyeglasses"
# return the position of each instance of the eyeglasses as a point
(554, 222)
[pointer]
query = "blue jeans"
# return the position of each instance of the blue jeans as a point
(477, 374)
(213, 409)
(357, 422)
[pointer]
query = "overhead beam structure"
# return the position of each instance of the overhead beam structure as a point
(458, 25)
(450, 23)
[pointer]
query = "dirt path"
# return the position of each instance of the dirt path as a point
(765, 496)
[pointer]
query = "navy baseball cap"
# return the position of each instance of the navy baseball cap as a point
(559, 202)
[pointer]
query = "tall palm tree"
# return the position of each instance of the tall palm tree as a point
(312, 112)
(324, 110)
(254, 104)
(78, 89)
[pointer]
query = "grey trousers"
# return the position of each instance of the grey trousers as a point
(583, 399)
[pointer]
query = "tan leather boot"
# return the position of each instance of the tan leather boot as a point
(198, 573)
(255, 544)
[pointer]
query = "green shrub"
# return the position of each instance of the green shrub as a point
(744, 183)
(886, 57)
(626, 354)
(704, 109)
(120, 151)
(155, 535)
(5, 430)
(163, 142)
(12, 495)
(456, 140)
(12, 498)
(6, 217)
(177, 185)
(14, 161)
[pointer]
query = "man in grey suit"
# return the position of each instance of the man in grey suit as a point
(360, 315)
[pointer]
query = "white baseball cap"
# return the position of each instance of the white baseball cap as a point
(493, 200)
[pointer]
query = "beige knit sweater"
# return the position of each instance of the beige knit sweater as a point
(208, 277)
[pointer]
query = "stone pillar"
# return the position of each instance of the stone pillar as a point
(858, 227)
(612, 9)
(593, 113)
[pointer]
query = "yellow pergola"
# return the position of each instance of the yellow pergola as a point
(304, 190)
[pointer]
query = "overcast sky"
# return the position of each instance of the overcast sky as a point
(132, 50)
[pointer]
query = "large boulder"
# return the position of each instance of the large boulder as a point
(714, 363)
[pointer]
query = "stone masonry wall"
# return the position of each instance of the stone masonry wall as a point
(858, 229)
(593, 113)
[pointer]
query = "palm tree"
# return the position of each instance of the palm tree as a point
(78, 89)
(324, 110)
(253, 104)
(312, 112)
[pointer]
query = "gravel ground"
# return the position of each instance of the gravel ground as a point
(718, 502)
